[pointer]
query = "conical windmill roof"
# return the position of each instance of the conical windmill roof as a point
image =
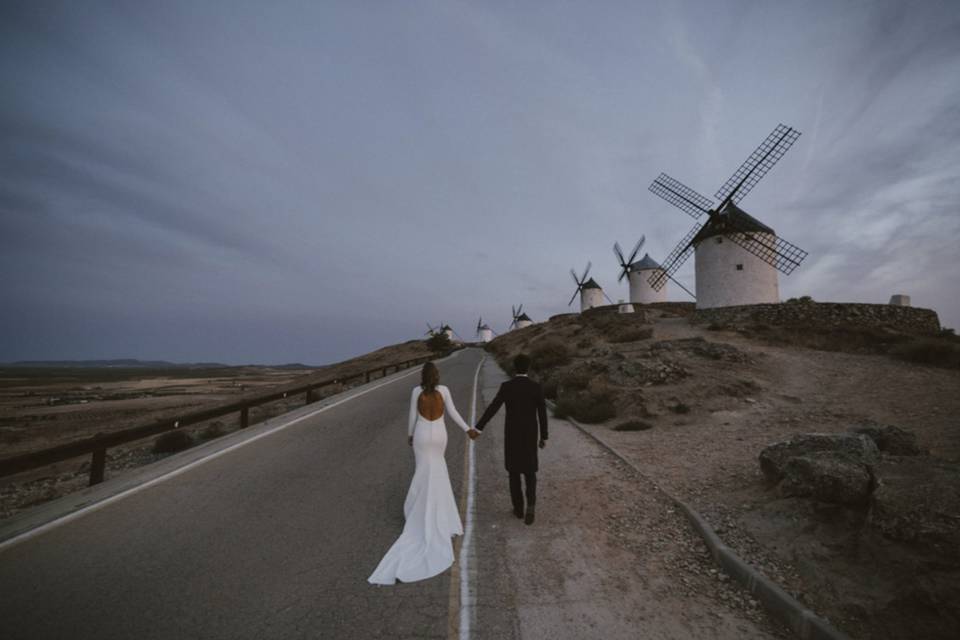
(591, 284)
(717, 225)
(644, 263)
(523, 316)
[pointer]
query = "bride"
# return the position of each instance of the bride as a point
(425, 548)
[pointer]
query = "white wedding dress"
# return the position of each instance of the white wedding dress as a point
(425, 548)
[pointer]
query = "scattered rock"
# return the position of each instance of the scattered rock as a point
(829, 476)
(855, 448)
(893, 440)
(633, 425)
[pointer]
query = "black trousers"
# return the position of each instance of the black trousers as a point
(516, 494)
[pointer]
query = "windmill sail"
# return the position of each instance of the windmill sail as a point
(772, 249)
(681, 196)
(758, 164)
(674, 260)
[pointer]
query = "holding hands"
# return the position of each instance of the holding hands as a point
(473, 434)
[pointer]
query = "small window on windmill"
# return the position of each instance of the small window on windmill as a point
(739, 267)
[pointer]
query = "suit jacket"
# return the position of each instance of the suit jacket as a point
(526, 414)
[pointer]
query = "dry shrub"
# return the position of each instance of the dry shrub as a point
(938, 352)
(680, 408)
(633, 425)
(549, 388)
(587, 407)
(846, 339)
(172, 441)
(549, 354)
(439, 343)
(630, 334)
(213, 430)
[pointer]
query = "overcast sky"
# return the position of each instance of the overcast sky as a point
(306, 181)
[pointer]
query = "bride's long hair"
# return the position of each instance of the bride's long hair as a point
(429, 377)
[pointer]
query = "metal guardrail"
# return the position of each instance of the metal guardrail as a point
(97, 445)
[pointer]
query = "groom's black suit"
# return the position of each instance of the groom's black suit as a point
(526, 416)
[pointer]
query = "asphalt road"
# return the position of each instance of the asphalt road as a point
(271, 540)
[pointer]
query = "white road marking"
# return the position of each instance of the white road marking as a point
(468, 597)
(47, 526)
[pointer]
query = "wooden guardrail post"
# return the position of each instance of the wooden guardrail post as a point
(244, 417)
(97, 465)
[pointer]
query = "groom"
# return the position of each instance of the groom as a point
(526, 409)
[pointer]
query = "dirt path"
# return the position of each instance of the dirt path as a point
(608, 556)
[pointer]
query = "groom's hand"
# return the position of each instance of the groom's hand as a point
(473, 434)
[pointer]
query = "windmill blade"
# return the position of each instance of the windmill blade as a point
(624, 265)
(680, 284)
(758, 164)
(618, 252)
(674, 260)
(681, 196)
(479, 324)
(606, 296)
(574, 296)
(636, 249)
(457, 335)
(585, 272)
(520, 310)
(774, 250)
(573, 274)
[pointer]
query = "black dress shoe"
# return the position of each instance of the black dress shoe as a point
(518, 511)
(530, 515)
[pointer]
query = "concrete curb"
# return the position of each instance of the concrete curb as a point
(781, 605)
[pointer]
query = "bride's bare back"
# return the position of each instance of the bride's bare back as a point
(430, 405)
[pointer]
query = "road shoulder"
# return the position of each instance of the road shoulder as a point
(608, 556)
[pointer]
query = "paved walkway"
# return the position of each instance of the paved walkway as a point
(607, 557)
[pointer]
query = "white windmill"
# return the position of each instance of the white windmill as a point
(737, 256)
(484, 332)
(638, 274)
(520, 319)
(591, 294)
(443, 328)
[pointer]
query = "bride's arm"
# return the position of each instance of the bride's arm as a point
(413, 411)
(452, 410)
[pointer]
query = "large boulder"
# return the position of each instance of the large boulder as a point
(893, 440)
(852, 447)
(918, 500)
(827, 476)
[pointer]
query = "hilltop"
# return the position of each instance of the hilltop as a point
(694, 399)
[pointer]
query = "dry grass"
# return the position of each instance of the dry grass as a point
(939, 352)
(549, 354)
(630, 334)
(172, 441)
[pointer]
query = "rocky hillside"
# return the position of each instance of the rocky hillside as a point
(865, 532)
